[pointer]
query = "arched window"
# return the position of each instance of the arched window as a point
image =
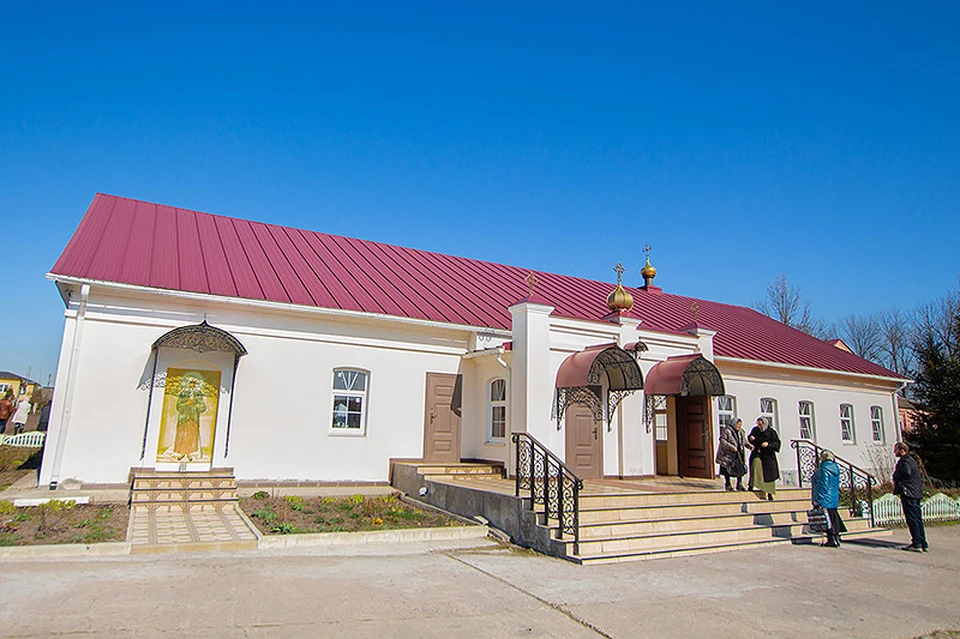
(768, 410)
(847, 430)
(349, 400)
(808, 428)
(497, 411)
(876, 423)
(726, 410)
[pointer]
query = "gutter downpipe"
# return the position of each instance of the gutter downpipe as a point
(71, 377)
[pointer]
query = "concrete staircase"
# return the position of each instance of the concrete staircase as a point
(630, 526)
(175, 508)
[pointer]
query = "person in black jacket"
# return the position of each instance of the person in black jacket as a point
(764, 468)
(908, 484)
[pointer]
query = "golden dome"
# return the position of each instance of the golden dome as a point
(648, 271)
(619, 300)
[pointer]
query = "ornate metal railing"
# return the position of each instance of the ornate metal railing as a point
(551, 484)
(856, 484)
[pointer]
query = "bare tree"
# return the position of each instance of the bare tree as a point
(936, 320)
(896, 330)
(785, 304)
(862, 334)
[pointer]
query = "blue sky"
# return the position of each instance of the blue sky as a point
(741, 140)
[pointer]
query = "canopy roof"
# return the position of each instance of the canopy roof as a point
(202, 338)
(585, 368)
(684, 375)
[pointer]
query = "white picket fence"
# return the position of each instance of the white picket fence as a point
(887, 509)
(32, 439)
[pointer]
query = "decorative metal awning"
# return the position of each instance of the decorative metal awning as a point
(684, 375)
(580, 380)
(202, 338)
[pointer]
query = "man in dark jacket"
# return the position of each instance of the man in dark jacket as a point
(908, 483)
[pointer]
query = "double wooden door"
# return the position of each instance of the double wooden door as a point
(694, 437)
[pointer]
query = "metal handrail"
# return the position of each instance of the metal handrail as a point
(551, 483)
(808, 459)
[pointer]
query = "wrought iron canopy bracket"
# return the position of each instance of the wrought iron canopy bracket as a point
(589, 396)
(201, 338)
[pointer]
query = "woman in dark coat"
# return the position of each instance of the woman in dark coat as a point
(730, 453)
(764, 469)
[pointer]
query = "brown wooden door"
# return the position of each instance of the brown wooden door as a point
(441, 424)
(584, 442)
(694, 437)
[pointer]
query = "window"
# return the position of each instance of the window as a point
(498, 409)
(808, 429)
(726, 409)
(876, 422)
(349, 400)
(847, 433)
(768, 410)
(659, 407)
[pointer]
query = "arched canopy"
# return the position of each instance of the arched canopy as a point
(201, 338)
(586, 368)
(684, 375)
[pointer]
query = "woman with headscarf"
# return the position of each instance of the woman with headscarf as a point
(730, 453)
(764, 469)
(825, 493)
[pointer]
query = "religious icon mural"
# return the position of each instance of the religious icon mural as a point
(188, 419)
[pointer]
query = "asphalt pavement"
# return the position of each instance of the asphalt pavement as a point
(476, 588)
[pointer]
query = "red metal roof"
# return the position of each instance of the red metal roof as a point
(144, 244)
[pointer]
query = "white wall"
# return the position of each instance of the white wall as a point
(283, 402)
(791, 387)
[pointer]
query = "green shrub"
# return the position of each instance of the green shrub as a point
(6, 507)
(266, 515)
(261, 494)
(284, 528)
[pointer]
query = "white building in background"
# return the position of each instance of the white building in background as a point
(194, 341)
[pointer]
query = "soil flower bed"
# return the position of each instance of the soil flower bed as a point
(293, 514)
(62, 522)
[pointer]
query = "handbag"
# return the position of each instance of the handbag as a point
(736, 467)
(817, 520)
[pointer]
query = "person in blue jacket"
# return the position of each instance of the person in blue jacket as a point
(826, 494)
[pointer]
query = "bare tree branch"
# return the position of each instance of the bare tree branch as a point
(785, 304)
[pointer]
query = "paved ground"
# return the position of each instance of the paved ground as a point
(870, 589)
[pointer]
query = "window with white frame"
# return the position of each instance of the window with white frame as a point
(847, 432)
(349, 400)
(768, 410)
(660, 417)
(808, 429)
(876, 423)
(497, 398)
(726, 409)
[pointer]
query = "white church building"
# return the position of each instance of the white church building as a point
(195, 341)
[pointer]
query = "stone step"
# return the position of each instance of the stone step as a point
(151, 487)
(690, 524)
(674, 541)
(657, 513)
(462, 469)
(192, 506)
(670, 499)
(678, 552)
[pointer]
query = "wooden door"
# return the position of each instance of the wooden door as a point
(584, 442)
(694, 437)
(441, 424)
